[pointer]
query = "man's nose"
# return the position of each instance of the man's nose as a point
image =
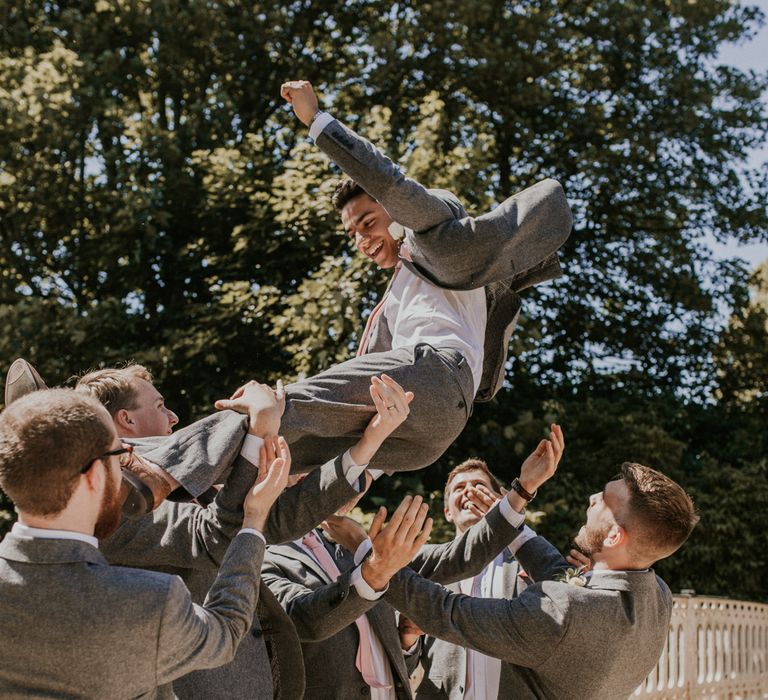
(172, 417)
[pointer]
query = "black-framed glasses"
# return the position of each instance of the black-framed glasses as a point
(125, 454)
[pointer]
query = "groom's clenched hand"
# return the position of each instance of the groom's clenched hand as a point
(300, 94)
(396, 543)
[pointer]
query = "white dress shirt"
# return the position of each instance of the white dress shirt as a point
(418, 311)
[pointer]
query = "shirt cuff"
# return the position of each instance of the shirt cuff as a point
(251, 531)
(514, 518)
(321, 120)
(362, 550)
(521, 539)
(250, 449)
(376, 473)
(362, 587)
(352, 471)
(414, 648)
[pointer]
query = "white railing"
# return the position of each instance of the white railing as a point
(717, 649)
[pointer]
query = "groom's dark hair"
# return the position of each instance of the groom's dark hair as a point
(346, 190)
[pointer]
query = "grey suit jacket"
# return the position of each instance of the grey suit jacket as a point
(445, 664)
(269, 661)
(559, 641)
(324, 611)
(504, 251)
(73, 626)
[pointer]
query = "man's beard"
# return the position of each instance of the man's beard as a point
(109, 514)
(590, 540)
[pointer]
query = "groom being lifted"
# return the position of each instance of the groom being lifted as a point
(442, 328)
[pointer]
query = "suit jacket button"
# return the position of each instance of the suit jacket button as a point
(364, 690)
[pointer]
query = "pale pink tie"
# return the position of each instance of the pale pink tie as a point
(377, 311)
(364, 660)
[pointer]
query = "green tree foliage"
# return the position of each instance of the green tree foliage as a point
(159, 203)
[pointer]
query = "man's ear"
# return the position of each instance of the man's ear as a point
(448, 516)
(123, 421)
(616, 536)
(95, 475)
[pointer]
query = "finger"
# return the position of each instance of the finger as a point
(418, 523)
(424, 536)
(238, 392)
(263, 460)
(396, 392)
(475, 510)
(285, 451)
(405, 532)
(280, 391)
(378, 521)
(400, 512)
(485, 494)
(378, 400)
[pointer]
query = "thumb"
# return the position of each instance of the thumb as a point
(223, 404)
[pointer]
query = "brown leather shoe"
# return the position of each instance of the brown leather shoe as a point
(22, 379)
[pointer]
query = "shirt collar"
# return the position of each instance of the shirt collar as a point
(45, 534)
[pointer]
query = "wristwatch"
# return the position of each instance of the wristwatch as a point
(517, 487)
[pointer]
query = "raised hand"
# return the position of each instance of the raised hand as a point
(481, 499)
(396, 543)
(409, 632)
(541, 464)
(579, 560)
(391, 402)
(263, 405)
(301, 95)
(271, 482)
(347, 532)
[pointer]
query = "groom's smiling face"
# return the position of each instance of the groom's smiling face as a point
(367, 222)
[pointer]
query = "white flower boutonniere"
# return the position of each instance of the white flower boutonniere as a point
(397, 231)
(573, 576)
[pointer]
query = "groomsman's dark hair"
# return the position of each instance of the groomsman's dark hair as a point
(471, 465)
(659, 516)
(345, 191)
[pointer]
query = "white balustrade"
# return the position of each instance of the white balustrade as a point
(716, 649)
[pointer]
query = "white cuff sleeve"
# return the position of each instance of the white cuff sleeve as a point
(322, 120)
(362, 550)
(414, 648)
(514, 518)
(376, 473)
(352, 470)
(521, 539)
(251, 447)
(251, 531)
(362, 587)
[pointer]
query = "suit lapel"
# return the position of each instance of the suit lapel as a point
(294, 553)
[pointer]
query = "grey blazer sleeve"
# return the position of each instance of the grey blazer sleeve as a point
(193, 637)
(184, 535)
(308, 503)
(449, 247)
(523, 630)
(408, 202)
(467, 555)
(541, 560)
(317, 613)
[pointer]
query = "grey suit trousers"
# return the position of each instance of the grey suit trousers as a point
(327, 414)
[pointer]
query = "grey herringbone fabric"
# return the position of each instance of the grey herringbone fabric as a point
(559, 641)
(75, 627)
(324, 611)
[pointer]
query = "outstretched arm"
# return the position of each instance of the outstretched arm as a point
(407, 202)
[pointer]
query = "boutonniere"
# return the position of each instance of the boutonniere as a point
(573, 576)
(397, 231)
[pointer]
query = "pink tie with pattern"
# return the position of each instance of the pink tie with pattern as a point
(364, 660)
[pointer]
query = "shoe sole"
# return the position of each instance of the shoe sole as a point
(22, 379)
